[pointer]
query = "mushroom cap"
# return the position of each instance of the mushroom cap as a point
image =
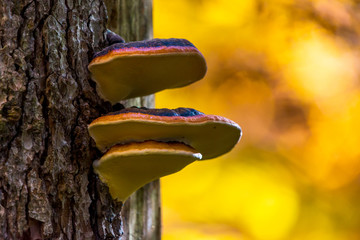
(127, 70)
(211, 135)
(126, 168)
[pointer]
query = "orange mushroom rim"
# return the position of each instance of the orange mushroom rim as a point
(146, 47)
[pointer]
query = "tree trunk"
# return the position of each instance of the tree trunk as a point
(47, 187)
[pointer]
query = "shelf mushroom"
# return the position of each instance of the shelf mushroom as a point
(211, 135)
(134, 69)
(126, 168)
(160, 141)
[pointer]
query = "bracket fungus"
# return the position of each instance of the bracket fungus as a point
(126, 168)
(145, 144)
(134, 69)
(211, 135)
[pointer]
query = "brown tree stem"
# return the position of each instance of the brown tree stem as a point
(47, 99)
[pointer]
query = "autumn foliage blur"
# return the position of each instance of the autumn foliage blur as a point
(288, 73)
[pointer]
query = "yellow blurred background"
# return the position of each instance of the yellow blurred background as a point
(288, 73)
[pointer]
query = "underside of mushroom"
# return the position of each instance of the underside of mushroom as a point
(126, 168)
(211, 135)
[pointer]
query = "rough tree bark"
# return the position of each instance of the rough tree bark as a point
(47, 187)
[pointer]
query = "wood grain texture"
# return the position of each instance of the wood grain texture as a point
(141, 214)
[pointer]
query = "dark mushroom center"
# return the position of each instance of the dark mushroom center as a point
(178, 112)
(154, 43)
